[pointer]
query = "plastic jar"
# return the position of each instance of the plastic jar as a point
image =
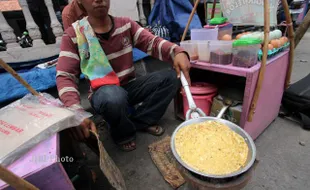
(203, 51)
(191, 48)
(245, 52)
(221, 52)
(226, 28)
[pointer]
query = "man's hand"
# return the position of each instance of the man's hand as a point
(181, 63)
(81, 132)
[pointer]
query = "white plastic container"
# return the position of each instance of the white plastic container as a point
(204, 34)
(203, 51)
(191, 47)
(221, 52)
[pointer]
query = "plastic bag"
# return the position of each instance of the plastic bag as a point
(249, 12)
(174, 15)
(30, 120)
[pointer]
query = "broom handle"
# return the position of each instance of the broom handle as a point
(292, 42)
(213, 9)
(15, 181)
(263, 63)
(190, 20)
(17, 77)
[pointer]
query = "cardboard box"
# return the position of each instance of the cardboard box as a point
(232, 114)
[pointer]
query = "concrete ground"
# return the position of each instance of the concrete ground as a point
(283, 149)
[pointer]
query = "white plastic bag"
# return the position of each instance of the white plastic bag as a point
(248, 12)
(30, 120)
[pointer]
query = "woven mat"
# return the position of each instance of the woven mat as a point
(164, 160)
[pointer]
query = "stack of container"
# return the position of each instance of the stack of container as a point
(205, 44)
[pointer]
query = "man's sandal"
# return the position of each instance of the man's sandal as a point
(155, 130)
(128, 146)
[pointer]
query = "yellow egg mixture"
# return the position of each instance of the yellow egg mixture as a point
(211, 147)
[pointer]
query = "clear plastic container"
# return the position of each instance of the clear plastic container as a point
(245, 56)
(204, 51)
(245, 52)
(191, 48)
(221, 52)
(204, 34)
(225, 30)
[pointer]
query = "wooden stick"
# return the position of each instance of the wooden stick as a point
(15, 181)
(206, 11)
(190, 19)
(17, 77)
(302, 29)
(292, 42)
(264, 60)
(213, 9)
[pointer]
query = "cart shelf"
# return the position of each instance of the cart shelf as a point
(226, 69)
(269, 101)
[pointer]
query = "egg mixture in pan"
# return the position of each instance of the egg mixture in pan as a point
(211, 147)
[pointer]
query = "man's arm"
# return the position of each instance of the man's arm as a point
(161, 49)
(68, 72)
(154, 45)
(67, 78)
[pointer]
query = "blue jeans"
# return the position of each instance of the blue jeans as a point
(155, 91)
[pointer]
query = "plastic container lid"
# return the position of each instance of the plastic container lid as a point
(202, 88)
(226, 24)
(246, 42)
(204, 34)
(218, 20)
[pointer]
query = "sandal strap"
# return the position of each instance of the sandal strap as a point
(127, 140)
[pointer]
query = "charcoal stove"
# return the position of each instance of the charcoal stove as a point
(199, 182)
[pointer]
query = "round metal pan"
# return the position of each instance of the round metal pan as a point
(197, 117)
(251, 154)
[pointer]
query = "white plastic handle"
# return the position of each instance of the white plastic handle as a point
(193, 111)
(188, 93)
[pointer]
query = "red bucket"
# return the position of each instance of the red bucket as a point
(203, 94)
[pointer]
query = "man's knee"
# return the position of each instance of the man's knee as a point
(170, 78)
(110, 97)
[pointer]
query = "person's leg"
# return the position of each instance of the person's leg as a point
(111, 102)
(38, 19)
(155, 90)
(47, 24)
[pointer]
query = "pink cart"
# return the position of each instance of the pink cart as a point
(41, 167)
(269, 101)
